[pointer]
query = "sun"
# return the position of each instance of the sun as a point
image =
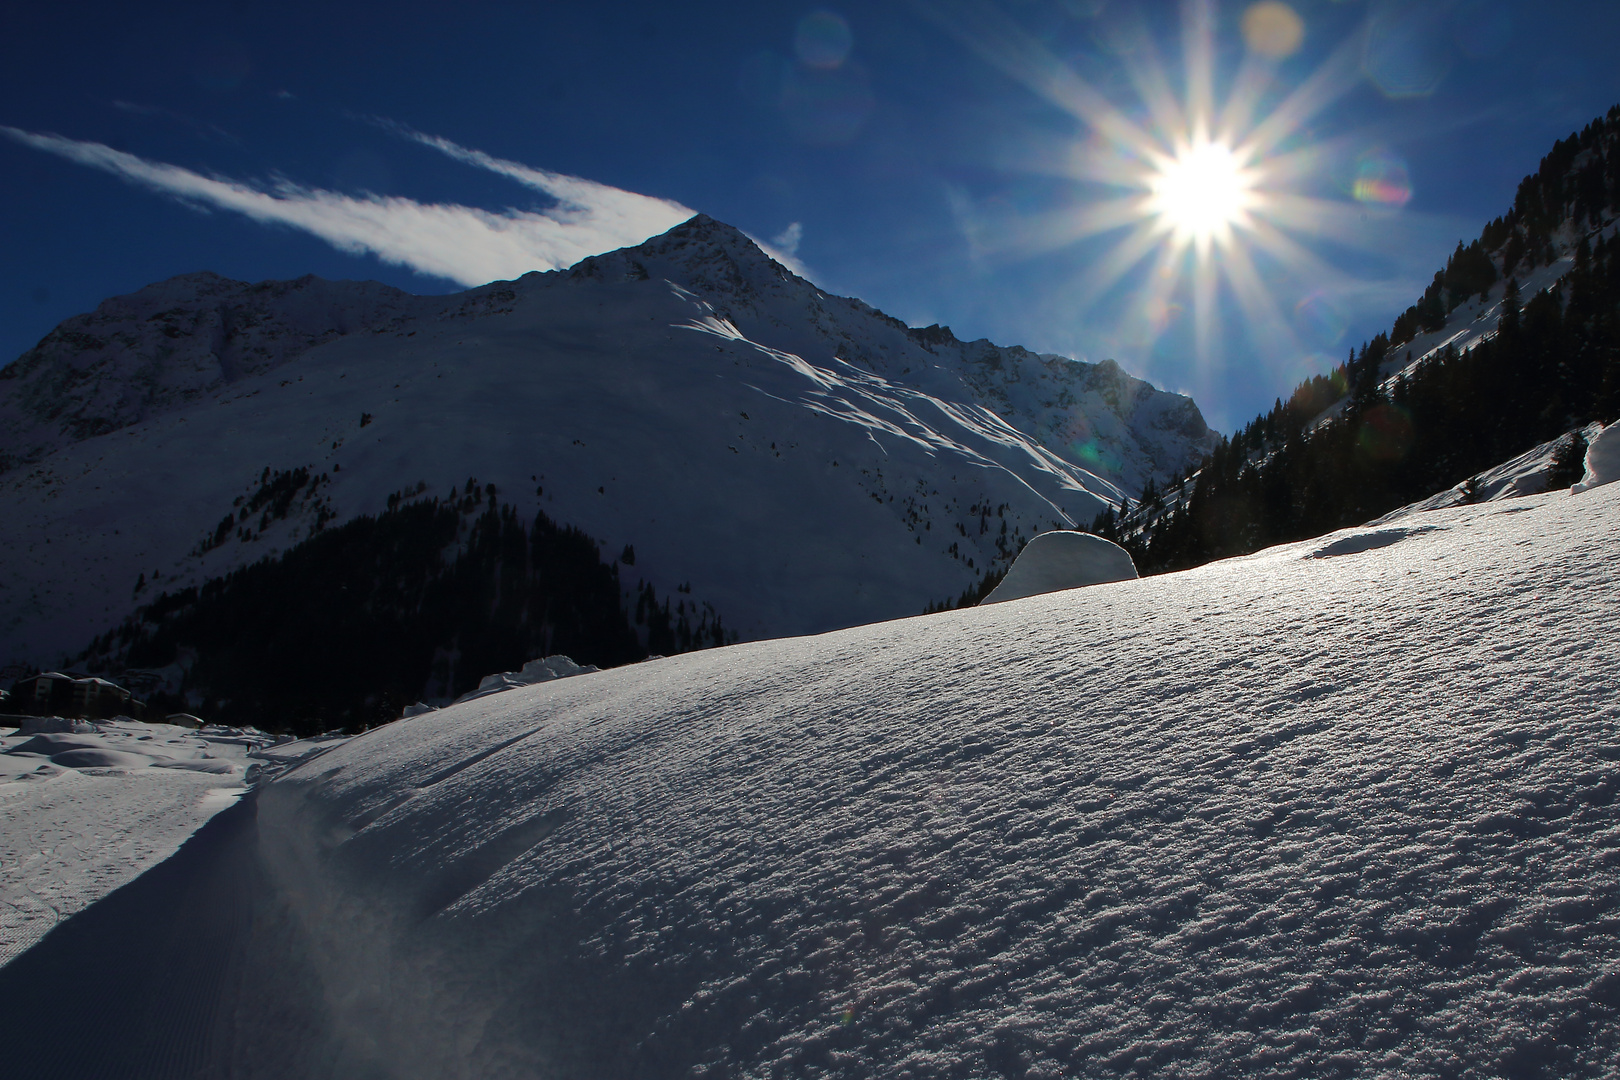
(1213, 186)
(1200, 193)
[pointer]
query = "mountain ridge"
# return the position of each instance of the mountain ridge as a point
(249, 338)
(798, 459)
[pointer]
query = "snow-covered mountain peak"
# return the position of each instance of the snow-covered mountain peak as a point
(799, 459)
(704, 255)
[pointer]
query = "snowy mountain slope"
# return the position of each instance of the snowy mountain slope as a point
(168, 344)
(1524, 474)
(1344, 807)
(1475, 320)
(799, 461)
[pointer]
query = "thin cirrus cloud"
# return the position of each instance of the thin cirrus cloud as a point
(572, 190)
(462, 243)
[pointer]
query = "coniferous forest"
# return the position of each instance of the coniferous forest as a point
(1552, 366)
(348, 627)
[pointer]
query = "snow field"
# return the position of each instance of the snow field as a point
(1344, 807)
(84, 813)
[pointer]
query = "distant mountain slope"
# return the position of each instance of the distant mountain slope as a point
(160, 348)
(798, 460)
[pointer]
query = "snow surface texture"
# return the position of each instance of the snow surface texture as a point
(800, 460)
(1344, 807)
(1602, 459)
(1063, 560)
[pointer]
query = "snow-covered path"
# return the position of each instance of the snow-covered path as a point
(71, 835)
(147, 982)
(1344, 808)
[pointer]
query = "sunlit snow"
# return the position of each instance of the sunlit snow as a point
(1343, 807)
(1063, 560)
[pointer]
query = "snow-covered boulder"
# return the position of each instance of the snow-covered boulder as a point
(535, 671)
(36, 725)
(1602, 459)
(1063, 560)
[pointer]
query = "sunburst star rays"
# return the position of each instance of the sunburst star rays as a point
(1211, 181)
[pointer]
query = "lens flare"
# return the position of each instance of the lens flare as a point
(822, 40)
(1406, 52)
(1381, 180)
(1322, 319)
(1272, 28)
(1386, 433)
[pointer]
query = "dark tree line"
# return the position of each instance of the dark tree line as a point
(1553, 365)
(360, 620)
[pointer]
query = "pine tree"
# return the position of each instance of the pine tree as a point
(1569, 462)
(1509, 321)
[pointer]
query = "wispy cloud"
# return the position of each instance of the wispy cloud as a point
(462, 243)
(788, 239)
(571, 189)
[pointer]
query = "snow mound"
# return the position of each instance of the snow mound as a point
(1275, 816)
(52, 743)
(33, 725)
(535, 671)
(100, 758)
(1063, 560)
(1602, 459)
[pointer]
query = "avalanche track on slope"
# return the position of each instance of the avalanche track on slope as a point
(1344, 807)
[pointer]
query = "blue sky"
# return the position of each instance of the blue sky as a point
(944, 160)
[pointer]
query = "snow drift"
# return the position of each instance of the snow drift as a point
(1063, 560)
(1602, 459)
(535, 671)
(1341, 807)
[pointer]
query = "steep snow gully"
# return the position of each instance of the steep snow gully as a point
(1340, 808)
